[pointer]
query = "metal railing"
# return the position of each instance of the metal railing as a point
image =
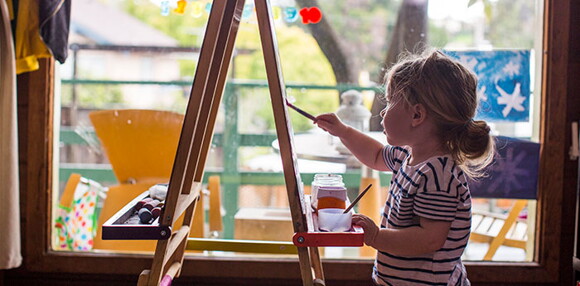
(231, 177)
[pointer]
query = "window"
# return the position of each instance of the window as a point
(544, 226)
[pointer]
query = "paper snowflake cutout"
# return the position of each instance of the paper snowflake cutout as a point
(481, 93)
(469, 61)
(511, 69)
(514, 100)
(511, 172)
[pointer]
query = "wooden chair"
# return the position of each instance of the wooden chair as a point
(497, 229)
(512, 175)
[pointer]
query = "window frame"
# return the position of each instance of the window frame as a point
(557, 182)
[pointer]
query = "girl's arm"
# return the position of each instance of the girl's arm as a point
(365, 148)
(428, 237)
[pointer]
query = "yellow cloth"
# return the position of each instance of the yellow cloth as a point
(29, 45)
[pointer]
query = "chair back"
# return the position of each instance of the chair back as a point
(140, 144)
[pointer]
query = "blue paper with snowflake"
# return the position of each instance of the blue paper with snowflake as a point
(504, 83)
(513, 173)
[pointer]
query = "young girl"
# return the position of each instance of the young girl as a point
(434, 145)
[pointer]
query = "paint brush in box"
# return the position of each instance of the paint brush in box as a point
(304, 113)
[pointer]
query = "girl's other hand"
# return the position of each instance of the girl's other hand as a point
(368, 225)
(330, 123)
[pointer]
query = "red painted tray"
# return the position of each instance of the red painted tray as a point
(314, 237)
(117, 227)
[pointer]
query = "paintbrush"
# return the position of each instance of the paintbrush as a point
(357, 199)
(304, 113)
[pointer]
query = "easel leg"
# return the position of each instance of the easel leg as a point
(305, 269)
(169, 253)
(317, 270)
(143, 278)
(196, 133)
(307, 257)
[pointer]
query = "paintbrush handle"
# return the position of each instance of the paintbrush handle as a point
(357, 198)
(304, 113)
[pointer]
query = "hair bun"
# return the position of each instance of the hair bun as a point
(481, 124)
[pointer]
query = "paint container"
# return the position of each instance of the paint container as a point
(334, 220)
(324, 180)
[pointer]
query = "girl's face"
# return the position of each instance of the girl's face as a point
(396, 121)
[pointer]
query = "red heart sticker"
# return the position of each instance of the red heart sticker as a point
(310, 15)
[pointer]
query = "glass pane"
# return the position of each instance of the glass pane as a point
(139, 65)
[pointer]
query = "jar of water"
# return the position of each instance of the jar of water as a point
(324, 180)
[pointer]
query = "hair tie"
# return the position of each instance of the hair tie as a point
(467, 123)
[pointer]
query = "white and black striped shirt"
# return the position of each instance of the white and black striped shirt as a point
(434, 189)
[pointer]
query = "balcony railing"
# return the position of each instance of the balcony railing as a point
(231, 177)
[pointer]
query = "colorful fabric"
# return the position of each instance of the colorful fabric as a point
(76, 225)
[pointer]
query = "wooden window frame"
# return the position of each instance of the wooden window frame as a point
(557, 182)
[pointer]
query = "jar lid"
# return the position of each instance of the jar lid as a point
(330, 175)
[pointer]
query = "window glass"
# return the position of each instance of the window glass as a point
(139, 65)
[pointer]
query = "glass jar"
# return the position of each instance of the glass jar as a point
(324, 180)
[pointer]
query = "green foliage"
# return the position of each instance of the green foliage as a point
(302, 63)
(438, 36)
(513, 25)
(509, 24)
(364, 28)
(93, 96)
(187, 68)
(184, 28)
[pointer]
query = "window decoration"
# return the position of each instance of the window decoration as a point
(281, 11)
(504, 83)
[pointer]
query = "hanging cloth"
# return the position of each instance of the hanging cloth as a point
(54, 16)
(78, 213)
(29, 45)
(10, 256)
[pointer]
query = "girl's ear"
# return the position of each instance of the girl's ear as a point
(419, 114)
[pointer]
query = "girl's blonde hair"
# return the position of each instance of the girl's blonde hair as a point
(448, 90)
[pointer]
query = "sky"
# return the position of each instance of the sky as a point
(456, 9)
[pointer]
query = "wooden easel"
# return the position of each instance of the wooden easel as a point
(197, 132)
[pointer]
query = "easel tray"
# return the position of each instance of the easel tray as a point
(315, 237)
(123, 224)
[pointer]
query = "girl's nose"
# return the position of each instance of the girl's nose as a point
(383, 113)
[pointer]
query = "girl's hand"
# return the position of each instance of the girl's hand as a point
(369, 226)
(330, 123)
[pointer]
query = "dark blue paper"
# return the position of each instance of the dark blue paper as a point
(514, 172)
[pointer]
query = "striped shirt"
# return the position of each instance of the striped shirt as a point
(435, 189)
